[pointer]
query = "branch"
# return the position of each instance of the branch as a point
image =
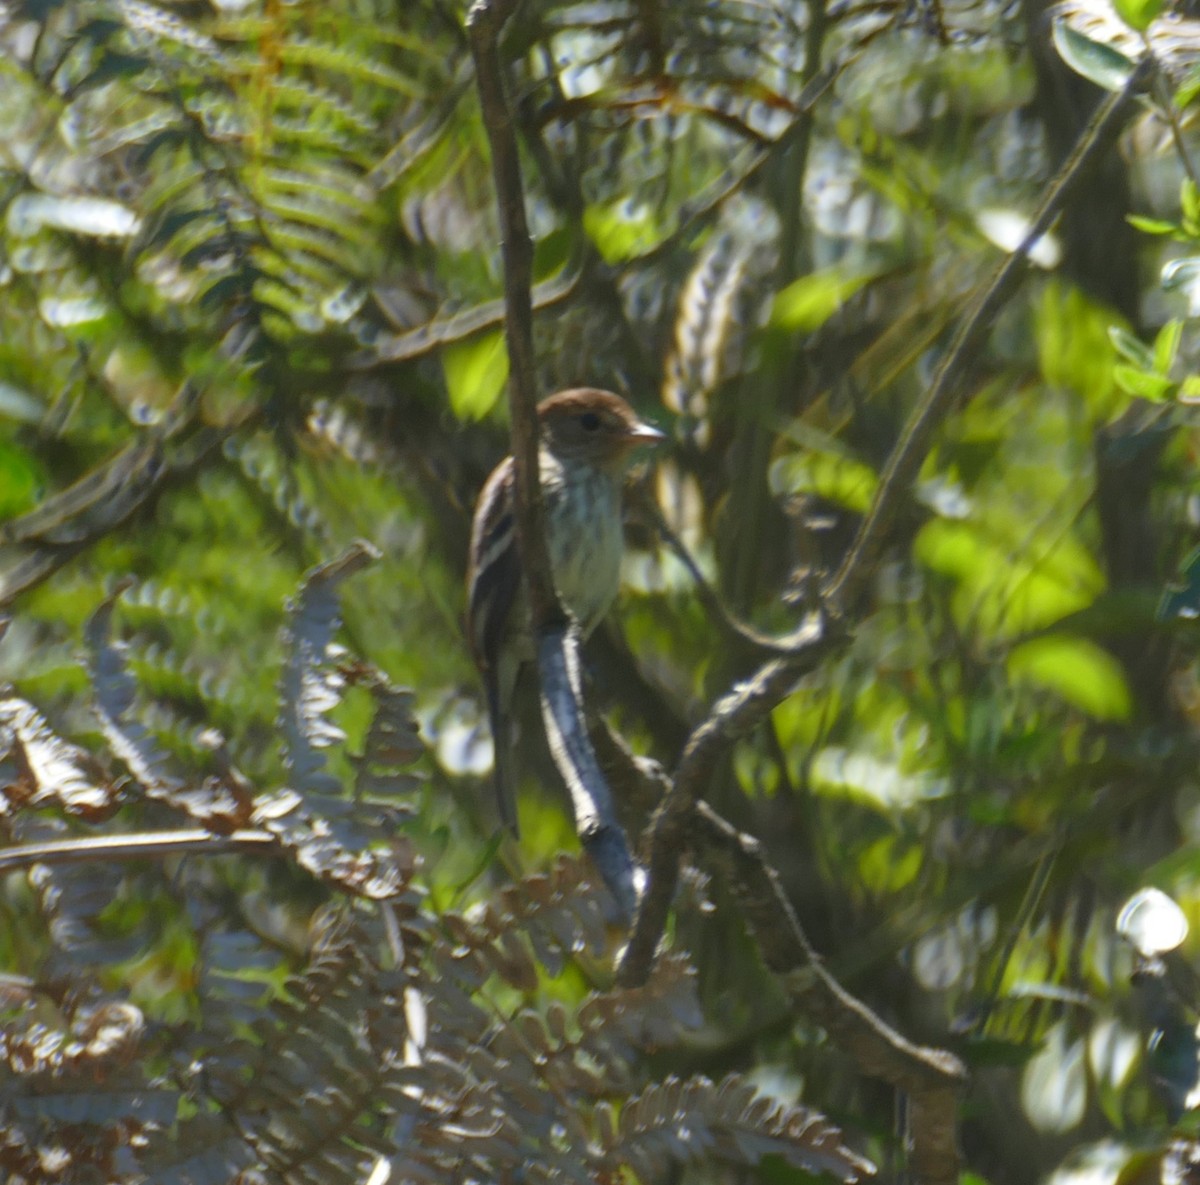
(484, 23)
(139, 845)
(557, 639)
(742, 709)
(932, 1078)
(752, 701)
(909, 453)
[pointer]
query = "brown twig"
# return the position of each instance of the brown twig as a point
(139, 845)
(558, 640)
(909, 454)
(932, 1078)
(484, 24)
(743, 708)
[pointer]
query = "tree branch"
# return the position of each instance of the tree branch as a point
(751, 701)
(931, 1077)
(484, 24)
(909, 454)
(138, 845)
(557, 639)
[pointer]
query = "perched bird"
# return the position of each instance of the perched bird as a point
(587, 442)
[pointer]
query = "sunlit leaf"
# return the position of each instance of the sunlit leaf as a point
(1076, 346)
(1155, 387)
(476, 371)
(1132, 349)
(1008, 229)
(1079, 671)
(807, 303)
(99, 217)
(1152, 922)
(1108, 68)
(1166, 345)
(1054, 1085)
(1152, 226)
(1138, 14)
(20, 479)
(623, 230)
(841, 480)
(1181, 600)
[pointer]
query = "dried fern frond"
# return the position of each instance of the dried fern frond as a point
(694, 1120)
(40, 769)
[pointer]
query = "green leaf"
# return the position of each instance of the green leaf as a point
(20, 480)
(807, 303)
(476, 371)
(1181, 274)
(1155, 387)
(1166, 346)
(1187, 89)
(1008, 586)
(1152, 226)
(1181, 601)
(622, 231)
(842, 480)
(1076, 670)
(1189, 201)
(1108, 68)
(1076, 347)
(1138, 14)
(1132, 349)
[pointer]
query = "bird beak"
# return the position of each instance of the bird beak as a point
(643, 433)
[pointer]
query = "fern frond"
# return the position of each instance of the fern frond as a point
(40, 769)
(709, 331)
(554, 912)
(311, 684)
(695, 1120)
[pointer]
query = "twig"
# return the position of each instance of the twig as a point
(558, 641)
(445, 331)
(138, 845)
(731, 717)
(440, 332)
(710, 598)
(750, 702)
(484, 23)
(909, 453)
(932, 1078)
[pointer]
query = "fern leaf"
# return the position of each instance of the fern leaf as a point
(692, 1120)
(45, 769)
(311, 685)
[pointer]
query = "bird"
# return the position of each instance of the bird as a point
(587, 441)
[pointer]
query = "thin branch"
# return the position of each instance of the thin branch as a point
(440, 332)
(909, 453)
(735, 714)
(557, 639)
(484, 24)
(138, 845)
(751, 701)
(933, 1078)
(710, 598)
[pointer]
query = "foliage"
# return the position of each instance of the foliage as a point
(251, 314)
(385, 1045)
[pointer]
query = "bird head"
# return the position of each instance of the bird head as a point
(593, 427)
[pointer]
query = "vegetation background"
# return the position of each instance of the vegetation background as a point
(256, 925)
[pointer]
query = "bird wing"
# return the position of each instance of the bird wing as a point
(494, 590)
(496, 567)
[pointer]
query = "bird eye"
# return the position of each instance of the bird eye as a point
(590, 421)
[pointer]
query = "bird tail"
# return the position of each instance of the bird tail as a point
(505, 765)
